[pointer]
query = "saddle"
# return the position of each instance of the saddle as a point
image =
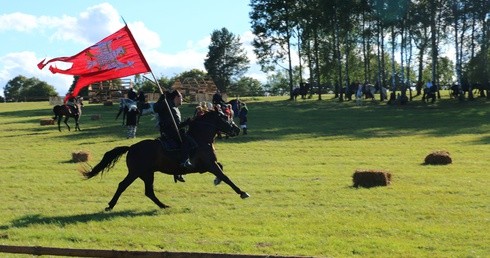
(169, 144)
(173, 148)
(72, 109)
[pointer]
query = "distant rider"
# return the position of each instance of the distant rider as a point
(70, 103)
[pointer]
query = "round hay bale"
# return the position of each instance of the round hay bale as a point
(95, 117)
(371, 178)
(108, 103)
(47, 121)
(438, 158)
(80, 156)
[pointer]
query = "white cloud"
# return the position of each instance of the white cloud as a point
(24, 63)
(91, 26)
(18, 22)
(146, 39)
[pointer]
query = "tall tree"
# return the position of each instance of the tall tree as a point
(273, 23)
(22, 88)
(226, 59)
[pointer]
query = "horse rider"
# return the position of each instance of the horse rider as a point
(132, 94)
(218, 99)
(70, 103)
(141, 100)
(168, 130)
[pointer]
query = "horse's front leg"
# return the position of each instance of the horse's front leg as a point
(217, 170)
(119, 113)
(66, 123)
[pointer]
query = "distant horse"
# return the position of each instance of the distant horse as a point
(302, 90)
(148, 156)
(350, 90)
(429, 93)
(370, 91)
(68, 111)
(125, 104)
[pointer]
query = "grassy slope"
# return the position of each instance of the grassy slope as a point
(296, 163)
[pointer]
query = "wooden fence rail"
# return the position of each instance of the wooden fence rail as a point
(39, 250)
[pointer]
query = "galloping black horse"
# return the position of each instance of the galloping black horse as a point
(148, 156)
(67, 111)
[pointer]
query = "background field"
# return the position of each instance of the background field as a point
(296, 163)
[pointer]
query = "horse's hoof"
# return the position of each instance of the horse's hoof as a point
(108, 209)
(244, 195)
(217, 181)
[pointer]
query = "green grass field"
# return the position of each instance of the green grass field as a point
(296, 163)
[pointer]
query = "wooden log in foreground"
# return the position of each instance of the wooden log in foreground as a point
(39, 250)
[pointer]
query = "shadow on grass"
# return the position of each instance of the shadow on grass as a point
(37, 219)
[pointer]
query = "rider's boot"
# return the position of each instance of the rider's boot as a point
(179, 178)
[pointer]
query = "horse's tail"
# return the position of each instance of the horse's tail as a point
(108, 161)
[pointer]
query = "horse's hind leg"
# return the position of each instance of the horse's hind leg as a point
(59, 123)
(149, 192)
(77, 124)
(120, 189)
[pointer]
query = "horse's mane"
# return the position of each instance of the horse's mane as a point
(204, 116)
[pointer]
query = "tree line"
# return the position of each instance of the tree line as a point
(391, 43)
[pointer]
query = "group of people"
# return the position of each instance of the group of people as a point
(227, 110)
(221, 105)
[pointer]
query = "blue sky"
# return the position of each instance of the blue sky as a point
(173, 35)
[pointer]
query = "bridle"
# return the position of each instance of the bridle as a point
(230, 123)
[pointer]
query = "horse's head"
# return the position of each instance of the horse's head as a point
(227, 126)
(217, 121)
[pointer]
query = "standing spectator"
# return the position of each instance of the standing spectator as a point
(132, 121)
(359, 95)
(201, 109)
(243, 117)
(229, 112)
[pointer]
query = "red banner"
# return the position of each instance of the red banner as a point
(114, 57)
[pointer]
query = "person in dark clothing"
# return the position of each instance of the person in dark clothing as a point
(243, 117)
(167, 126)
(141, 100)
(132, 94)
(218, 99)
(132, 121)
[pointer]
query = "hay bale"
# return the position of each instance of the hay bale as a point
(438, 158)
(371, 178)
(95, 117)
(108, 103)
(80, 156)
(47, 121)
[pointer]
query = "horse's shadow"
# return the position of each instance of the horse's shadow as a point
(38, 219)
